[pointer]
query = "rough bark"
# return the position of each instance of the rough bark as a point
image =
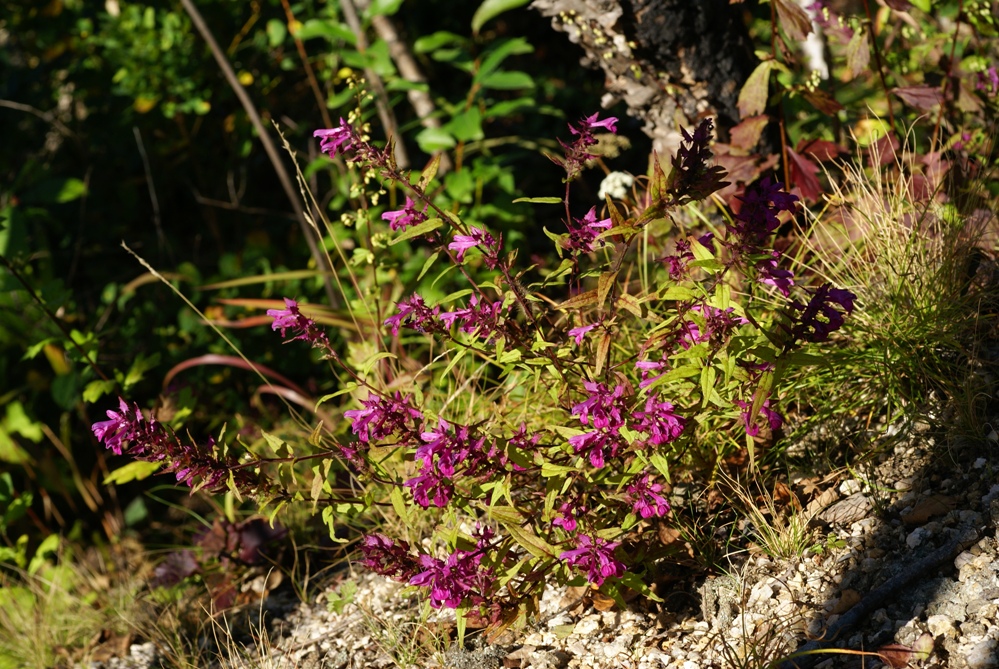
(673, 62)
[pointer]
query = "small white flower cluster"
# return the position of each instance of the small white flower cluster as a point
(615, 184)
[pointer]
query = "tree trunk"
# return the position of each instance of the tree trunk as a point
(673, 62)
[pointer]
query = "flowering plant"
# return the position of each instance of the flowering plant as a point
(538, 414)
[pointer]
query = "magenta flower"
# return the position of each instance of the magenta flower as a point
(416, 314)
(659, 421)
(596, 556)
(677, 263)
(769, 274)
(645, 497)
(602, 406)
(647, 367)
(387, 557)
(580, 332)
(718, 323)
(752, 429)
(458, 578)
(988, 81)
(576, 153)
(568, 513)
(336, 140)
(124, 426)
(408, 216)
(478, 236)
(303, 327)
(583, 235)
(128, 432)
(382, 417)
(591, 123)
(478, 316)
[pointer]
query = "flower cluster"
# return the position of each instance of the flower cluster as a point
(645, 497)
(382, 417)
(576, 152)
(691, 177)
(477, 237)
(815, 321)
(584, 231)
(595, 556)
(441, 452)
(127, 431)
(659, 421)
(757, 218)
(406, 217)
(415, 313)
(302, 327)
(479, 316)
(387, 557)
(603, 410)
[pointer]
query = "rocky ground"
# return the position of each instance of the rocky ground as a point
(910, 551)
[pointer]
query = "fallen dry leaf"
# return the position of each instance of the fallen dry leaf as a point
(928, 507)
(846, 601)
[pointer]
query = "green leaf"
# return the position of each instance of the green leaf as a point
(467, 126)
(490, 9)
(96, 390)
(350, 387)
(429, 172)
(334, 31)
(428, 264)
(531, 542)
(503, 50)
(539, 200)
(431, 140)
(754, 93)
(507, 81)
(136, 470)
(436, 41)
(418, 230)
(382, 8)
(276, 32)
(140, 366)
(11, 451)
(56, 191)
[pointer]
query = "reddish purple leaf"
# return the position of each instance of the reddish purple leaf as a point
(746, 135)
(820, 149)
(803, 175)
(923, 98)
(822, 101)
(793, 19)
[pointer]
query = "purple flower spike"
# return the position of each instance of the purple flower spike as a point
(659, 421)
(645, 497)
(336, 140)
(596, 556)
(414, 313)
(478, 236)
(388, 558)
(383, 416)
(454, 580)
(303, 327)
(583, 234)
(405, 217)
(120, 429)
